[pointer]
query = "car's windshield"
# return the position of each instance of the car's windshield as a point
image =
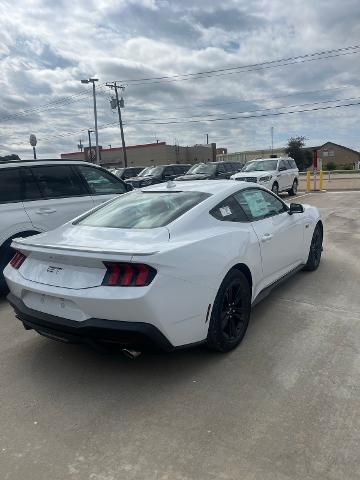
(144, 171)
(198, 168)
(143, 209)
(152, 171)
(261, 166)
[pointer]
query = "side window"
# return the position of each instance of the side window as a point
(229, 210)
(30, 189)
(221, 168)
(58, 181)
(259, 204)
(293, 164)
(289, 164)
(168, 171)
(101, 182)
(10, 185)
(283, 165)
(130, 172)
(178, 170)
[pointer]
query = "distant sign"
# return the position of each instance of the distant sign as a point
(33, 140)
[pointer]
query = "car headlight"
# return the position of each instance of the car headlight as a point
(265, 179)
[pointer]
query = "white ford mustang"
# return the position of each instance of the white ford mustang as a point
(172, 264)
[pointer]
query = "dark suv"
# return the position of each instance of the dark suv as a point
(159, 174)
(126, 173)
(210, 171)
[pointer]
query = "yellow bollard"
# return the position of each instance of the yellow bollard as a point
(321, 180)
(308, 181)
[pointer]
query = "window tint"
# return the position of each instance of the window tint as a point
(30, 188)
(100, 182)
(10, 185)
(221, 168)
(292, 163)
(143, 209)
(259, 204)
(57, 181)
(168, 171)
(178, 169)
(129, 172)
(283, 164)
(229, 210)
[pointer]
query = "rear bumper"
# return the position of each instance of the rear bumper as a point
(92, 331)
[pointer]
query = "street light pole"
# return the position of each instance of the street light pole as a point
(93, 80)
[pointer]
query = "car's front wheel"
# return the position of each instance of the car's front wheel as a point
(231, 312)
(275, 188)
(316, 248)
(294, 188)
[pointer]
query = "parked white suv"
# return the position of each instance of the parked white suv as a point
(40, 195)
(276, 174)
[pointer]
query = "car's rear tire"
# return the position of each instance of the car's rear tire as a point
(294, 188)
(6, 253)
(315, 251)
(231, 313)
(275, 188)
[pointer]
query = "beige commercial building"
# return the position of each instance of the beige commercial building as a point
(148, 154)
(247, 155)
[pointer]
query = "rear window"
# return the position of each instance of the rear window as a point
(10, 185)
(143, 209)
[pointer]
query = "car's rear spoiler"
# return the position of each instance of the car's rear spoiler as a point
(25, 245)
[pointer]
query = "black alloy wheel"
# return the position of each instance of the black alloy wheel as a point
(231, 313)
(316, 248)
(293, 190)
(275, 189)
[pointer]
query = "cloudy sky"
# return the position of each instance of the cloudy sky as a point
(47, 46)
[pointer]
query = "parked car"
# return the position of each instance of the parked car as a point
(158, 174)
(128, 172)
(174, 265)
(40, 195)
(211, 170)
(276, 174)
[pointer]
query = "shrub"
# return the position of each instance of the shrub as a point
(330, 166)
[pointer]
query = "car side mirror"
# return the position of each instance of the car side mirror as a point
(129, 187)
(295, 208)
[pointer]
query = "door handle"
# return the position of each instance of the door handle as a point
(266, 237)
(45, 211)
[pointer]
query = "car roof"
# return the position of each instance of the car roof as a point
(30, 163)
(214, 187)
(270, 158)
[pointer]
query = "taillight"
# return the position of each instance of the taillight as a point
(17, 260)
(128, 275)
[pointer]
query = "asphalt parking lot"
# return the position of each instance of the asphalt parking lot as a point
(285, 405)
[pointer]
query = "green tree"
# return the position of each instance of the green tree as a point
(295, 150)
(10, 157)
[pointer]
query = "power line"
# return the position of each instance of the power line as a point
(254, 100)
(245, 117)
(257, 116)
(205, 74)
(250, 67)
(256, 110)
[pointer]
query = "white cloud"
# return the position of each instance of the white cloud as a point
(46, 47)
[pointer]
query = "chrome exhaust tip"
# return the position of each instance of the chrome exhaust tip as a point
(132, 354)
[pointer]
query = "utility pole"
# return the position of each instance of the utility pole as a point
(272, 140)
(89, 136)
(119, 104)
(80, 145)
(93, 80)
(207, 139)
